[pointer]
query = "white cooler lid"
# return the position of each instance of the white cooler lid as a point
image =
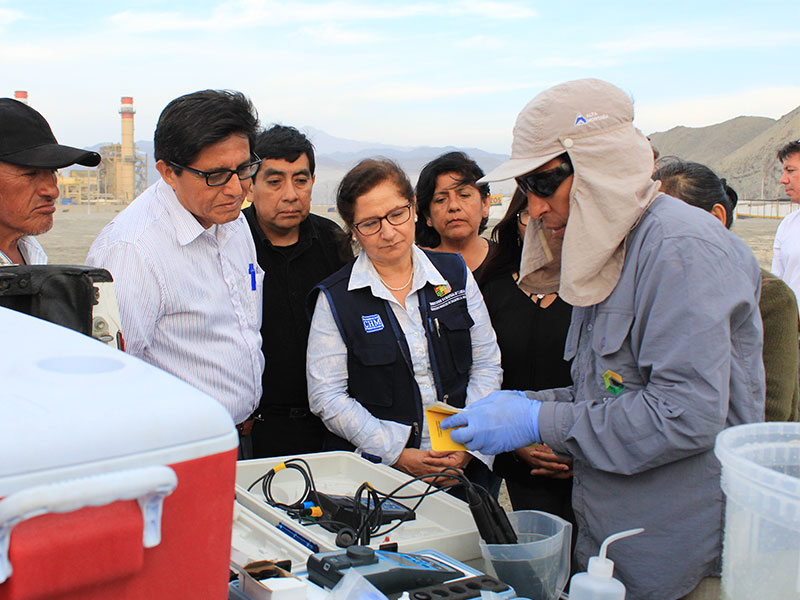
(73, 405)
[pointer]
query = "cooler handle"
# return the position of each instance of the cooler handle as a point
(148, 485)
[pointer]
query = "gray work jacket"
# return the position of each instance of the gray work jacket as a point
(682, 330)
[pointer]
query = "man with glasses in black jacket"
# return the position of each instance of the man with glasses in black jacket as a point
(297, 249)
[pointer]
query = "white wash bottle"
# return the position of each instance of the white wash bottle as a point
(597, 582)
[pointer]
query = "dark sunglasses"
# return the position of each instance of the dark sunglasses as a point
(545, 183)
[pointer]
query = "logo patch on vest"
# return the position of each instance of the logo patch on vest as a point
(372, 323)
(456, 296)
(442, 290)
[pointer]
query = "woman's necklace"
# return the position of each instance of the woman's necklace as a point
(402, 287)
(538, 296)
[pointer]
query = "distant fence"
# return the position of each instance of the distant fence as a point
(767, 209)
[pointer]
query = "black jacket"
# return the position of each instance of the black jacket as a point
(290, 273)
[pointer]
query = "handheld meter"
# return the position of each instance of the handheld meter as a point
(393, 573)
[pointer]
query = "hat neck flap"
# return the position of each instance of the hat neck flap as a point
(611, 190)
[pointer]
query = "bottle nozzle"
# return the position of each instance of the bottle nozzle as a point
(601, 566)
(617, 536)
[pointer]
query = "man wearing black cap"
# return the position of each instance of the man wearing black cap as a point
(29, 157)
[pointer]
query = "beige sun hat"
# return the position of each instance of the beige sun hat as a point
(548, 125)
(592, 122)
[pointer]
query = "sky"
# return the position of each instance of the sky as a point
(415, 73)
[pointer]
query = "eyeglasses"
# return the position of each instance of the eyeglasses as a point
(545, 183)
(373, 225)
(223, 176)
(523, 216)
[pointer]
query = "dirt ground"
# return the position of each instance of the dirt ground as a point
(76, 227)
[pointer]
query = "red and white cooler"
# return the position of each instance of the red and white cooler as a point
(116, 478)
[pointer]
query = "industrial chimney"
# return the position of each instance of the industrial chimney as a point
(126, 182)
(22, 96)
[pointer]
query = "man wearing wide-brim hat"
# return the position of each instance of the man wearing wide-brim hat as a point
(665, 340)
(29, 157)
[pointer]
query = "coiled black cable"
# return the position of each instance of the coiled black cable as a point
(297, 509)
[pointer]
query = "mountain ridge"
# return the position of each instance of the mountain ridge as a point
(742, 149)
(333, 161)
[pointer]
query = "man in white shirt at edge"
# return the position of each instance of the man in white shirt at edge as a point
(29, 157)
(786, 248)
(182, 257)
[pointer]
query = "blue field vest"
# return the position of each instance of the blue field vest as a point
(379, 368)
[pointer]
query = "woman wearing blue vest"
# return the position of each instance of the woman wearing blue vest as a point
(395, 331)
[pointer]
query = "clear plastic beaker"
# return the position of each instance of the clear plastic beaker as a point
(537, 566)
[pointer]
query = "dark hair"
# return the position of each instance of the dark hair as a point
(733, 197)
(792, 147)
(195, 121)
(507, 251)
(697, 185)
(656, 153)
(364, 177)
(284, 142)
(468, 173)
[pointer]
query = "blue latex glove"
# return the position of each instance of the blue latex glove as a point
(500, 422)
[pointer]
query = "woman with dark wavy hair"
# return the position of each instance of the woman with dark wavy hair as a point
(531, 330)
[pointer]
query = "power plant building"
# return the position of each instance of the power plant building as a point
(81, 186)
(121, 175)
(123, 171)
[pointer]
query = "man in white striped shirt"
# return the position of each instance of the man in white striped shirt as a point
(29, 157)
(182, 257)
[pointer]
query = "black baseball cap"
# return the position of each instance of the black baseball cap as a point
(27, 140)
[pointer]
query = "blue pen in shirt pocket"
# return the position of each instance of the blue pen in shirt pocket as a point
(252, 271)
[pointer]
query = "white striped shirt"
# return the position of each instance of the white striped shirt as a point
(186, 296)
(31, 250)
